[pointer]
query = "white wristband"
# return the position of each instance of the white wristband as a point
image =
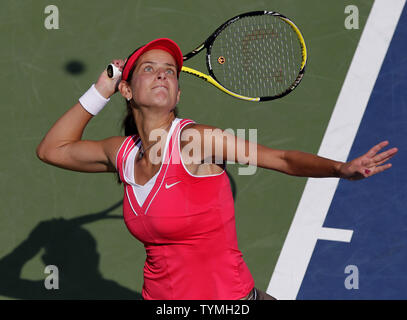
(92, 101)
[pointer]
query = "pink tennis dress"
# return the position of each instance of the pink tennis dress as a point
(187, 226)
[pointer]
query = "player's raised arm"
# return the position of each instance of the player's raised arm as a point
(228, 147)
(63, 146)
(303, 164)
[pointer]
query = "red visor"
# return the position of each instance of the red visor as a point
(162, 44)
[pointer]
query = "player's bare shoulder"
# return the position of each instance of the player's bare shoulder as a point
(111, 146)
(193, 135)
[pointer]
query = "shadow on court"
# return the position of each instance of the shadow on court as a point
(75, 67)
(72, 249)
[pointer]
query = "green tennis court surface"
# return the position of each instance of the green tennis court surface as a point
(44, 72)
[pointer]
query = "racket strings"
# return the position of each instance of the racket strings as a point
(257, 56)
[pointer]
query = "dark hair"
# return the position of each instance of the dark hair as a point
(128, 124)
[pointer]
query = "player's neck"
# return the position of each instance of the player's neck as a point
(151, 125)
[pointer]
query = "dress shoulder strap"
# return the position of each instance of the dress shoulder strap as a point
(128, 144)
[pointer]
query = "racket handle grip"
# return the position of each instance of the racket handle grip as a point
(113, 71)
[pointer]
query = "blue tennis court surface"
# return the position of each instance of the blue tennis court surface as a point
(374, 208)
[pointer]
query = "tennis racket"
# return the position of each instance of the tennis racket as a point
(255, 56)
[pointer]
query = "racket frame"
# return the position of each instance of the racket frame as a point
(211, 78)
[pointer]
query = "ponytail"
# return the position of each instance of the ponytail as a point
(128, 124)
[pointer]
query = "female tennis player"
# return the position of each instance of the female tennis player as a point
(177, 197)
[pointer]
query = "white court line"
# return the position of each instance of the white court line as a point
(306, 227)
(334, 234)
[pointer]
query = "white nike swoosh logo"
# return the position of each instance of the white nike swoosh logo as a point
(167, 186)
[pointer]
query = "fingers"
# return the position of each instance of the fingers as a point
(380, 169)
(372, 152)
(368, 172)
(372, 163)
(384, 156)
(119, 63)
(107, 83)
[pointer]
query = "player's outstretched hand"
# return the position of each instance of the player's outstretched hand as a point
(369, 164)
(108, 86)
